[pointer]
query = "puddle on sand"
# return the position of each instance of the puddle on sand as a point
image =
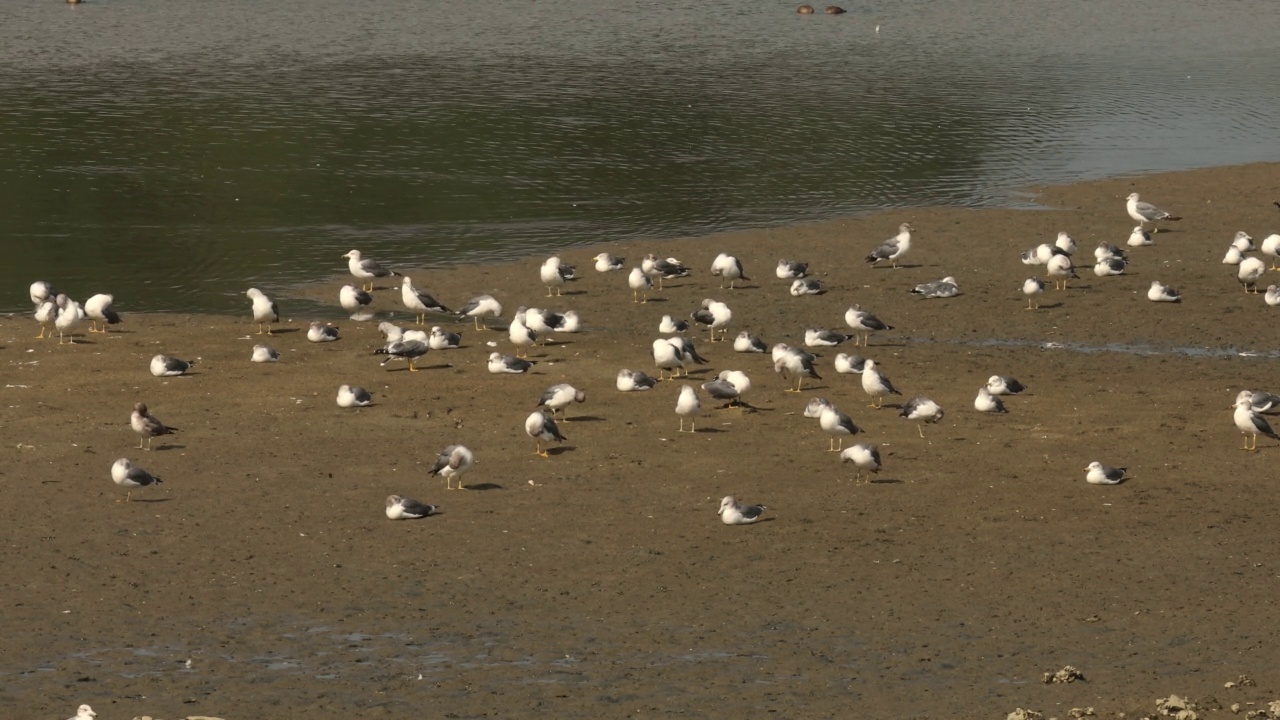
(1140, 349)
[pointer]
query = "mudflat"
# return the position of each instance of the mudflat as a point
(599, 582)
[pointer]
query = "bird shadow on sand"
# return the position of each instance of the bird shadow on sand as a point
(1049, 306)
(903, 266)
(710, 430)
(484, 486)
(884, 481)
(652, 299)
(160, 448)
(561, 450)
(81, 341)
(281, 331)
(149, 500)
(584, 418)
(572, 292)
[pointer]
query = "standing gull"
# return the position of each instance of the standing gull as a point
(666, 357)
(688, 353)
(1271, 248)
(404, 508)
(1065, 243)
(876, 384)
(41, 291)
(1145, 212)
(165, 366)
(606, 262)
(404, 348)
(1098, 474)
(265, 311)
(721, 389)
(864, 322)
(555, 274)
(922, 410)
(728, 267)
(789, 269)
(1250, 271)
(506, 364)
(542, 429)
(798, 363)
(366, 269)
(521, 336)
(1251, 423)
(418, 301)
(1061, 270)
(715, 315)
(354, 301)
(1163, 293)
(127, 475)
(147, 425)
(894, 248)
(351, 396)
(634, 381)
(1033, 287)
(453, 462)
(322, 332)
(988, 403)
(98, 308)
(656, 267)
(559, 397)
(46, 313)
(70, 313)
(640, 285)
(688, 406)
(264, 354)
(480, 306)
(837, 425)
(731, 513)
(864, 457)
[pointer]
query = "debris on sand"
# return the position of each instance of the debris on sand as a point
(1020, 714)
(1242, 681)
(1081, 712)
(1067, 674)
(1177, 708)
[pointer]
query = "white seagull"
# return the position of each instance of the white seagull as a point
(801, 287)
(634, 381)
(1061, 270)
(1250, 271)
(944, 288)
(670, 325)
(666, 357)
(441, 339)
(715, 315)
(606, 262)
(46, 313)
(1139, 237)
(728, 267)
(351, 396)
(147, 425)
(922, 410)
(499, 364)
(864, 457)
(1145, 212)
(1003, 385)
(894, 248)
(1033, 287)
(1163, 293)
(798, 363)
(354, 301)
(554, 274)
(987, 402)
(265, 310)
(366, 269)
(264, 354)
(127, 475)
(480, 306)
(84, 712)
(820, 337)
(406, 348)
(1242, 241)
(1272, 297)
(403, 508)
(418, 301)
(41, 291)
(745, 342)
(876, 384)
(864, 322)
(656, 267)
(837, 425)
(1098, 474)
(688, 406)
(640, 285)
(98, 309)
(731, 513)
(542, 429)
(453, 462)
(788, 269)
(1251, 423)
(165, 366)
(70, 313)
(322, 332)
(850, 364)
(561, 396)
(1271, 248)
(1110, 266)
(521, 336)
(1107, 250)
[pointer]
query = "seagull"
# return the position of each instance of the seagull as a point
(1252, 423)
(441, 339)
(46, 314)
(634, 381)
(84, 712)
(351, 396)
(1250, 271)
(1032, 287)
(745, 342)
(1098, 474)
(1045, 252)
(1242, 241)
(1146, 212)
(988, 403)
(688, 353)
(864, 457)
(480, 306)
(864, 322)
(1163, 293)
(666, 357)
(1234, 256)
(521, 336)
(670, 326)
(818, 337)
(544, 322)
(1107, 250)
(715, 315)
(688, 406)
(127, 475)
(366, 269)
(98, 308)
(1271, 248)
(653, 266)
(1065, 243)
(1001, 385)
(559, 397)
(788, 269)
(265, 311)
(813, 409)
(944, 288)
(354, 300)
(640, 285)
(1061, 270)
(1273, 296)
(542, 429)
(837, 425)
(798, 363)
(70, 313)
(147, 425)
(403, 508)
(721, 389)
(728, 267)
(922, 410)
(850, 364)
(606, 262)
(1261, 400)
(807, 287)
(739, 381)
(1110, 266)
(1139, 237)
(453, 462)
(554, 274)
(165, 366)
(264, 354)
(41, 291)
(322, 332)
(893, 248)
(731, 513)
(499, 364)
(876, 384)
(419, 302)
(406, 348)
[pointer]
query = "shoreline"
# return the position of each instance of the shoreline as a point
(600, 580)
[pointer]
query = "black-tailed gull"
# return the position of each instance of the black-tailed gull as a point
(640, 285)
(1033, 287)
(148, 425)
(1110, 266)
(98, 309)
(745, 342)
(796, 363)
(1251, 423)
(407, 349)
(731, 513)
(800, 288)
(404, 508)
(656, 267)
(715, 315)
(864, 457)
(441, 339)
(944, 288)
(355, 301)
(1260, 400)
(1139, 237)
(322, 332)
(894, 248)
(351, 396)
(670, 326)
(499, 364)
(634, 380)
(837, 425)
(1060, 269)
(864, 322)
(988, 403)
(1145, 212)
(789, 269)
(453, 462)
(607, 263)
(366, 269)
(480, 306)
(1098, 474)
(821, 337)
(1163, 293)
(922, 410)
(559, 397)
(542, 429)
(419, 301)
(1272, 297)
(728, 267)
(70, 313)
(688, 406)
(850, 364)
(165, 366)
(130, 476)
(1107, 250)
(1250, 272)
(555, 274)
(521, 335)
(265, 310)
(1004, 385)
(876, 384)
(264, 354)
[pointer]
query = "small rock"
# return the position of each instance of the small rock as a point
(1067, 674)
(1020, 714)
(1081, 712)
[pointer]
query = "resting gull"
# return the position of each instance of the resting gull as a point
(265, 310)
(987, 402)
(788, 269)
(130, 476)
(634, 381)
(1003, 385)
(864, 322)
(813, 409)
(640, 285)
(84, 712)
(798, 363)
(745, 342)
(1107, 250)
(1242, 241)
(728, 267)
(1271, 248)
(165, 366)
(864, 457)
(41, 291)
(800, 288)
(922, 410)
(671, 325)
(521, 336)
(70, 313)
(355, 301)
(666, 357)
(555, 274)
(264, 354)
(441, 339)
(1260, 400)
(322, 332)
(1110, 266)
(1272, 297)
(542, 429)
(350, 396)
(715, 315)
(1163, 293)
(453, 462)
(606, 262)
(98, 309)
(46, 313)
(850, 364)
(1060, 269)
(500, 364)
(403, 508)
(944, 288)
(731, 513)
(1250, 272)
(820, 337)
(1140, 237)
(1098, 474)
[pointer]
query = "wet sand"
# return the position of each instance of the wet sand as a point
(599, 582)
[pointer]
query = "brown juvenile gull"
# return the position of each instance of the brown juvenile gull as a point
(148, 425)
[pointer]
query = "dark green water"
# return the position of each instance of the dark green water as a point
(175, 154)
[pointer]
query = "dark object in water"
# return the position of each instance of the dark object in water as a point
(803, 9)
(835, 10)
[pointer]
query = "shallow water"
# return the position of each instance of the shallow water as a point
(176, 154)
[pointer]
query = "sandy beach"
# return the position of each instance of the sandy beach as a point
(599, 582)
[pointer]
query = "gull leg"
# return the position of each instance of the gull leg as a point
(411, 367)
(41, 335)
(128, 497)
(548, 291)
(920, 429)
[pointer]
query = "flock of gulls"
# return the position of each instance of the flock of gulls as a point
(674, 350)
